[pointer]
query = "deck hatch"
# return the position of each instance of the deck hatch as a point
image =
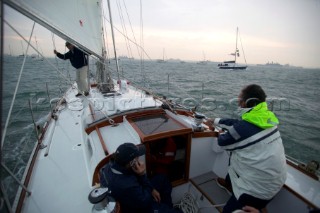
(150, 125)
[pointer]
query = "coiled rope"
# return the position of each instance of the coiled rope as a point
(187, 204)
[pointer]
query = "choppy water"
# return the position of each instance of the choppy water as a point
(295, 93)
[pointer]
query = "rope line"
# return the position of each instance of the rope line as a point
(187, 204)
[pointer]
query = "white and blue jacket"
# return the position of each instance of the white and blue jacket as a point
(257, 159)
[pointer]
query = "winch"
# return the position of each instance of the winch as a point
(102, 200)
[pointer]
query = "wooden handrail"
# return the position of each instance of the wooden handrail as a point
(103, 144)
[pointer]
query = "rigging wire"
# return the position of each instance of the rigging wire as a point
(124, 28)
(135, 43)
(10, 111)
(17, 86)
(68, 82)
(142, 45)
(54, 47)
(61, 74)
(133, 34)
(242, 49)
(146, 79)
(142, 53)
(57, 69)
(56, 60)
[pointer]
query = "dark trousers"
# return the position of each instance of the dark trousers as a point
(244, 200)
(162, 184)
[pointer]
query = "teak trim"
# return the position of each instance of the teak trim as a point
(204, 134)
(103, 144)
(30, 168)
(95, 177)
(119, 118)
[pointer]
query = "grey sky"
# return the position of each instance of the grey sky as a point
(284, 31)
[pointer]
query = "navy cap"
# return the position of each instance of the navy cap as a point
(127, 152)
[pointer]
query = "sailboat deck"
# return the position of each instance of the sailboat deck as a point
(60, 175)
(207, 185)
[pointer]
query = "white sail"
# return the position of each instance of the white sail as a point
(78, 21)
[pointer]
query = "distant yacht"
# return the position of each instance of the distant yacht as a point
(163, 58)
(232, 64)
(204, 62)
(22, 55)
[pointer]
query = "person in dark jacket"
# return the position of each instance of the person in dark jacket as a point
(79, 61)
(125, 176)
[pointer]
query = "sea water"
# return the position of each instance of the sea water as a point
(293, 94)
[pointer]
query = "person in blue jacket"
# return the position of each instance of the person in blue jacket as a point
(125, 176)
(257, 164)
(79, 61)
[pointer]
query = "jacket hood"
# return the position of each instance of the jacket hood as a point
(261, 116)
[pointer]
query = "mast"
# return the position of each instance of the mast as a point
(113, 40)
(1, 66)
(105, 83)
(10, 50)
(35, 38)
(22, 49)
(236, 51)
(163, 55)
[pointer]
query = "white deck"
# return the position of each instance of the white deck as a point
(62, 181)
(61, 178)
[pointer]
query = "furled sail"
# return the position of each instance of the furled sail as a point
(78, 21)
